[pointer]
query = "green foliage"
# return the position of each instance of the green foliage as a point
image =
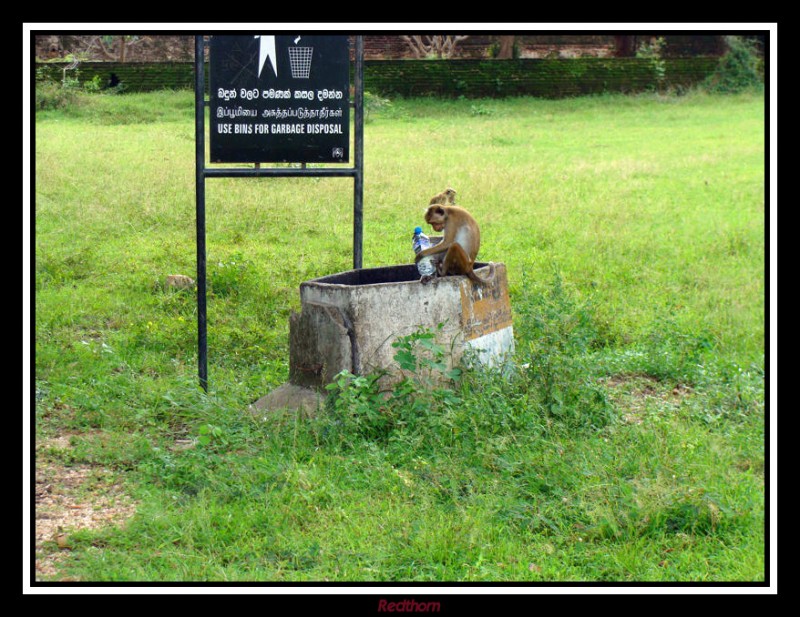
(360, 407)
(560, 333)
(420, 354)
(739, 69)
(93, 85)
(69, 92)
(540, 77)
(554, 388)
(653, 51)
(54, 95)
(374, 103)
(358, 410)
(226, 278)
(480, 110)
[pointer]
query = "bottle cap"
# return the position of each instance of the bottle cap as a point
(417, 230)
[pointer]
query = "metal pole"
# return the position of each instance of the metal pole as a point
(200, 189)
(358, 189)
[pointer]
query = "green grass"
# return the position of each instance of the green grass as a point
(631, 448)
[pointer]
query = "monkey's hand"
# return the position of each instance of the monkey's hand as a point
(436, 250)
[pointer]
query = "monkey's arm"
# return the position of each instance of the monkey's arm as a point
(441, 247)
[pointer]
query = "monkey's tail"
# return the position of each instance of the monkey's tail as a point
(483, 281)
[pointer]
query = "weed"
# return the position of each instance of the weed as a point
(361, 408)
(422, 357)
(374, 103)
(226, 278)
(560, 333)
(480, 109)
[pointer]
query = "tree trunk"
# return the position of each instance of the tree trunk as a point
(436, 45)
(506, 50)
(625, 46)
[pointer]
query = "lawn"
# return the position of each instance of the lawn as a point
(629, 446)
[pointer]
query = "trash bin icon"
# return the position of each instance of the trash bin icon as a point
(300, 61)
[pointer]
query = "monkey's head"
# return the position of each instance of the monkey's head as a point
(436, 217)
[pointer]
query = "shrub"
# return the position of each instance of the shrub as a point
(654, 52)
(53, 95)
(559, 333)
(738, 69)
(360, 408)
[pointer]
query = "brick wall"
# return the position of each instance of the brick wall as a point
(175, 48)
(393, 47)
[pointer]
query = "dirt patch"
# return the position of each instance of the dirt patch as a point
(72, 498)
(634, 393)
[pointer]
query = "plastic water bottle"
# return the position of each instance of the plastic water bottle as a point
(425, 266)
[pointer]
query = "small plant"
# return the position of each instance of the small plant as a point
(93, 85)
(226, 278)
(561, 334)
(361, 409)
(420, 354)
(672, 353)
(372, 103)
(480, 110)
(211, 434)
(654, 51)
(357, 409)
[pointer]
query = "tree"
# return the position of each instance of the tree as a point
(437, 45)
(116, 47)
(506, 47)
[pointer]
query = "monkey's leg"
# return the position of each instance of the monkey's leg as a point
(456, 261)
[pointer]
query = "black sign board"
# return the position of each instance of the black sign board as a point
(279, 99)
(246, 73)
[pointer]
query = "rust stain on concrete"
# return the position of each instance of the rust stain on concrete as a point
(485, 308)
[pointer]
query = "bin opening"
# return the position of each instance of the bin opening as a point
(377, 276)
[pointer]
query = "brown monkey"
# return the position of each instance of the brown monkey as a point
(447, 197)
(460, 243)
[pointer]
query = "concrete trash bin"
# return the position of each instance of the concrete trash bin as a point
(348, 321)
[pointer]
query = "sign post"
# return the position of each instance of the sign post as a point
(275, 98)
